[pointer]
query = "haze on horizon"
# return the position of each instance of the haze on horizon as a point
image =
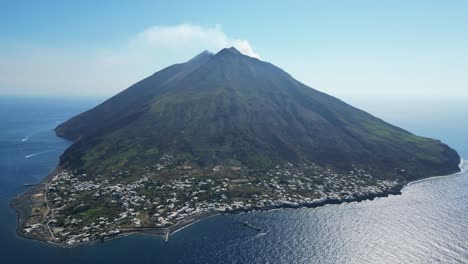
(357, 48)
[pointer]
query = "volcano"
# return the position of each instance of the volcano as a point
(229, 108)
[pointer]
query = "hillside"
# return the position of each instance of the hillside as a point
(228, 107)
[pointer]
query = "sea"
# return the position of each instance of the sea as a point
(427, 223)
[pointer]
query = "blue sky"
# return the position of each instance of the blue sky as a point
(345, 48)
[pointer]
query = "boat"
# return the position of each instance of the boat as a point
(247, 224)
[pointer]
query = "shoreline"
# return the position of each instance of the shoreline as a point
(184, 223)
(462, 170)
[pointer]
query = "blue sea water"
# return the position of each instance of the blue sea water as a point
(428, 223)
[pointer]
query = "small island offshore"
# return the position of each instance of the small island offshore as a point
(221, 133)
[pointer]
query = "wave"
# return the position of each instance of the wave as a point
(463, 165)
(25, 139)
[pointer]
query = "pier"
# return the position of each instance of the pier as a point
(166, 238)
(31, 184)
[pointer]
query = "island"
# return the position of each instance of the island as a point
(221, 133)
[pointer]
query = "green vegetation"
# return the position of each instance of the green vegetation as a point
(232, 109)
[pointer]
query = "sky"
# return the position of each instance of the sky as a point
(364, 49)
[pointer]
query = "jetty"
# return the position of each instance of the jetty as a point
(32, 184)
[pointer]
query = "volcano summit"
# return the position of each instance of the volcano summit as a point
(219, 133)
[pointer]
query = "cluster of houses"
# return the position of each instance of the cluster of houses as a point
(156, 201)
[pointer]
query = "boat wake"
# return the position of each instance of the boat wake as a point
(242, 241)
(35, 154)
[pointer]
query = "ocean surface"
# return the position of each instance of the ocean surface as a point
(428, 223)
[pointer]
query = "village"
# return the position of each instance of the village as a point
(78, 209)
